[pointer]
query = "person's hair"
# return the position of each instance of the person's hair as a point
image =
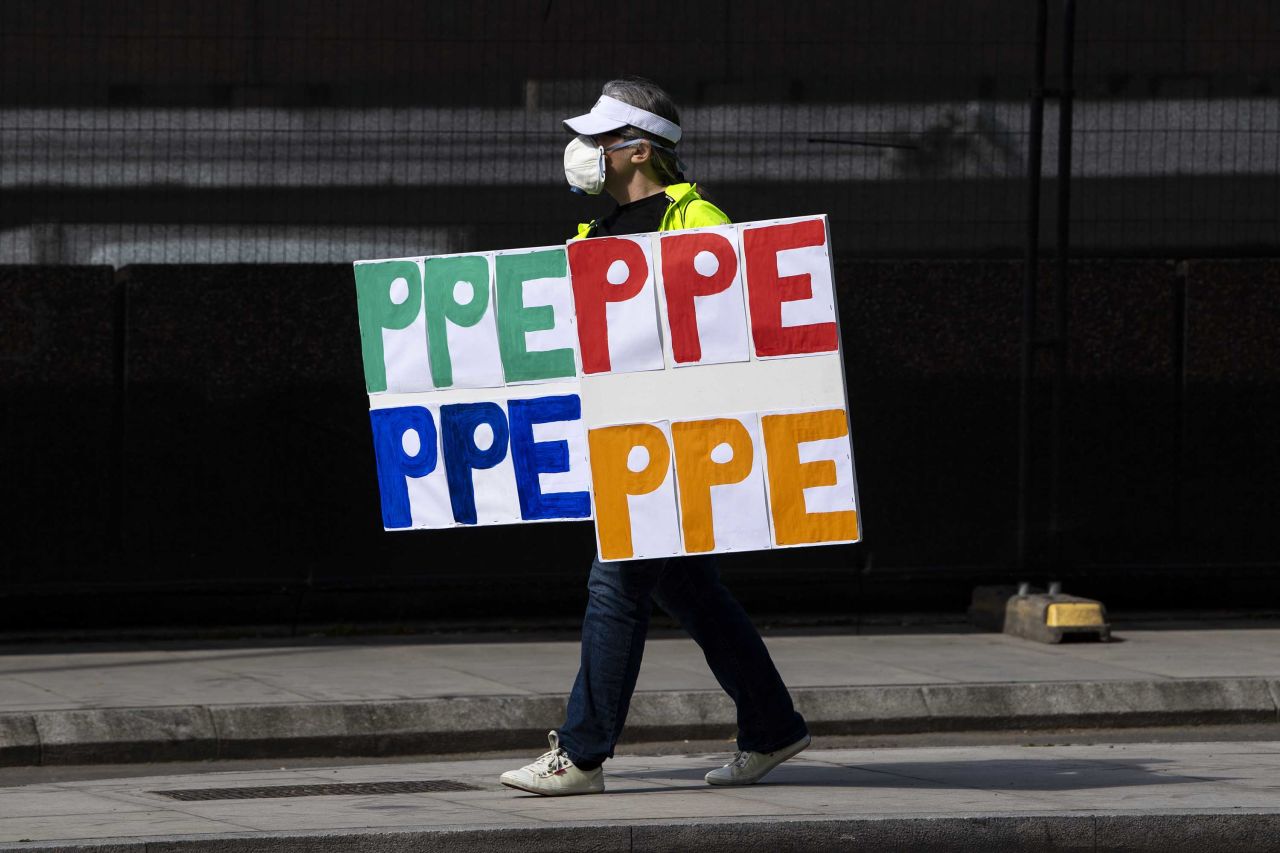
(650, 97)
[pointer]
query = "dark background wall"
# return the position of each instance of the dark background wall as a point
(183, 186)
(292, 130)
(189, 445)
(134, 51)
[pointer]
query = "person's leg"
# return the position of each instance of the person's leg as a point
(691, 591)
(613, 632)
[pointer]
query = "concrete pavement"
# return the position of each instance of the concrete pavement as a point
(379, 696)
(1157, 797)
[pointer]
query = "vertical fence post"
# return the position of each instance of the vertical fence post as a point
(1061, 279)
(1035, 143)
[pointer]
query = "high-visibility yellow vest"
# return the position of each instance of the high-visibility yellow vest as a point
(685, 209)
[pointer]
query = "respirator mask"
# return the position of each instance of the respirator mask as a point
(584, 163)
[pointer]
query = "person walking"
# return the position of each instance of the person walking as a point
(626, 146)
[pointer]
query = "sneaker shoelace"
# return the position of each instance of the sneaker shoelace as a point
(552, 762)
(740, 759)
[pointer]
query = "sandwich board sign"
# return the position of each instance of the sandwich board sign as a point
(683, 390)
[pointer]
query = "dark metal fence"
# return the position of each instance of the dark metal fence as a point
(185, 440)
(295, 131)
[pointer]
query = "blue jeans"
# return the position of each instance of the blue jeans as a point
(613, 634)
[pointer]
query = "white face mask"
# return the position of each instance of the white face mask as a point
(584, 163)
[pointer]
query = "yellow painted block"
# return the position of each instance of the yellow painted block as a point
(1076, 614)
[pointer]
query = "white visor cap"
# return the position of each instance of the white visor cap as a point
(610, 114)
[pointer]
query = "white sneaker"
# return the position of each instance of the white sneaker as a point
(554, 775)
(748, 768)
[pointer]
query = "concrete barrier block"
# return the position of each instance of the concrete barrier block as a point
(1048, 617)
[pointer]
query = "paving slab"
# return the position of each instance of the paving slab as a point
(1148, 796)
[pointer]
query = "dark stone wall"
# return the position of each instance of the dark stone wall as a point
(1230, 497)
(932, 365)
(1119, 465)
(60, 409)
(189, 445)
(244, 442)
(294, 51)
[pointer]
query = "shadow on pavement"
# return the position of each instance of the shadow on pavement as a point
(997, 774)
